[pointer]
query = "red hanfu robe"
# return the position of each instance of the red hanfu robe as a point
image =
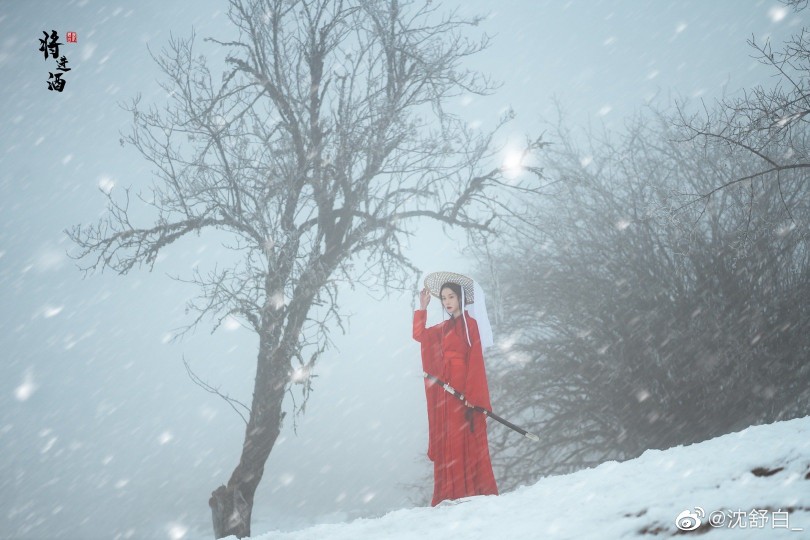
(461, 462)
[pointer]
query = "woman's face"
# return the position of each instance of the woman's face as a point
(450, 301)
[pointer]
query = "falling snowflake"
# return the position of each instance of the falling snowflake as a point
(286, 478)
(777, 13)
(278, 300)
(24, 391)
(51, 311)
(231, 324)
(177, 531)
(106, 184)
(48, 445)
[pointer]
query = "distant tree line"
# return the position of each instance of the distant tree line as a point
(661, 294)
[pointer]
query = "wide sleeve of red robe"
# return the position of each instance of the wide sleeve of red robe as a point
(457, 442)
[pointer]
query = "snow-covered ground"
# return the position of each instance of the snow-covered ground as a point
(757, 480)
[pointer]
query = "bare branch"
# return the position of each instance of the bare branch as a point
(208, 388)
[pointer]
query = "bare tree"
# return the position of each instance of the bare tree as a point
(630, 323)
(767, 122)
(325, 144)
(797, 5)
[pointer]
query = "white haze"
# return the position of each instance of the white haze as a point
(102, 433)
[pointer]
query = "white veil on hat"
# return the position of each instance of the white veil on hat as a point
(479, 312)
(471, 293)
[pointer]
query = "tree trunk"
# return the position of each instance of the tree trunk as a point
(232, 505)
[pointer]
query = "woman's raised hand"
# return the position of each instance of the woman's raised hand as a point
(424, 298)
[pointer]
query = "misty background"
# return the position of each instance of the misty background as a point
(102, 432)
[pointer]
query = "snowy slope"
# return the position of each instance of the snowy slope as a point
(623, 500)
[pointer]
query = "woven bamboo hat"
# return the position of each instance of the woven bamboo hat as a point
(435, 280)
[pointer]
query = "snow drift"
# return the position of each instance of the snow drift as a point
(750, 484)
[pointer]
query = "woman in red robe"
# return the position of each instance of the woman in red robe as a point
(457, 442)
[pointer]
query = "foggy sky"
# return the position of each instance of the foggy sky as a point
(101, 430)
